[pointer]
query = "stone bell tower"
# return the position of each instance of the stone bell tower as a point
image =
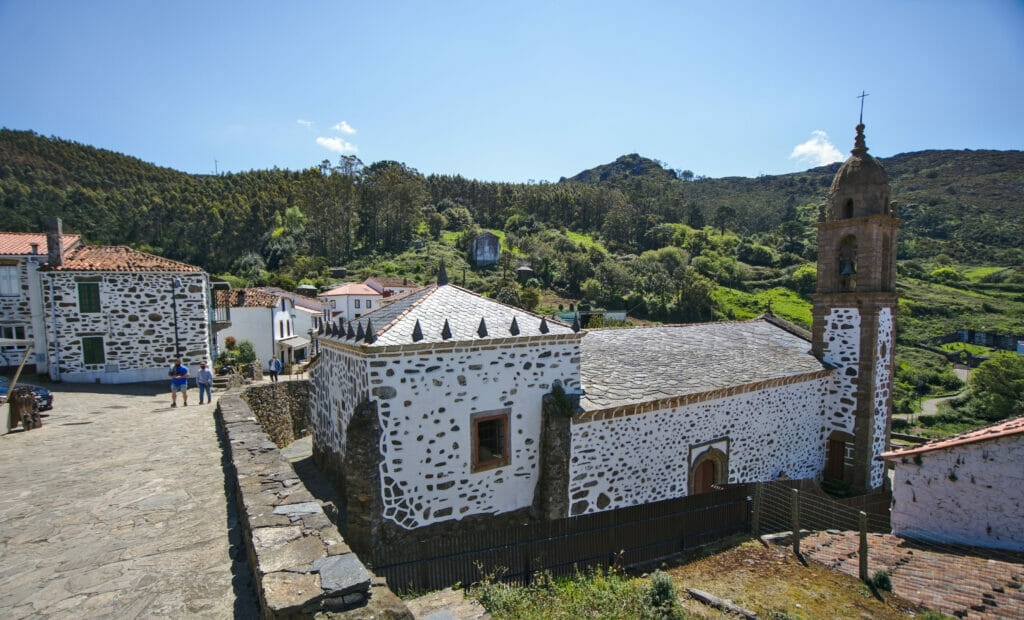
(854, 315)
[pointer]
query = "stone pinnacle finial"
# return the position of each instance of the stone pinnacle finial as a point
(514, 327)
(576, 327)
(544, 325)
(482, 330)
(371, 335)
(859, 145)
(442, 275)
(338, 329)
(320, 329)
(351, 332)
(360, 334)
(417, 332)
(446, 331)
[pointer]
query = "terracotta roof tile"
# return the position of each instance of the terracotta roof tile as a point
(1006, 428)
(351, 288)
(117, 258)
(300, 301)
(391, 282)
(14, 244)
(246, 298)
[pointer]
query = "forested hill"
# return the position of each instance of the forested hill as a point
(969, 204)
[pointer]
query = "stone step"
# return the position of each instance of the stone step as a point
(447, 604)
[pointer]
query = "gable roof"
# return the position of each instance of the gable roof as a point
(246, 298)
(15, 244)
(300, 301)
(432, 305)
(1006, 428)
(117, 258)
(641, 364)
(351, 288)
(390, 282)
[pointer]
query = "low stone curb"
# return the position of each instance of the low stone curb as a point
(301, 564)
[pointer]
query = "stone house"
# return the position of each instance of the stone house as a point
(965, 489)
(106, 314)
(271, 319)
(446, 410)
(485, 249)
(350, 301)
(390, 286)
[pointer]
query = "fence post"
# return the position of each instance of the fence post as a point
(863, 546)
(796, 521)
(755, 518)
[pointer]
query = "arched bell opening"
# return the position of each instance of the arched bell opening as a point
(848, 264)
(848, 209)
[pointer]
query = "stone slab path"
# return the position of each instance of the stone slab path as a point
(964, 582)
(117, 507)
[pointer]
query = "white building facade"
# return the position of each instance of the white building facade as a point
(350, 301)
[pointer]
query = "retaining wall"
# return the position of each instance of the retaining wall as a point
(301, 564)
(281, 408)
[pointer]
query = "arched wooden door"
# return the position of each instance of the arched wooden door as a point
(704, 476)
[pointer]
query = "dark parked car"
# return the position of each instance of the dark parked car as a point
(44, 398)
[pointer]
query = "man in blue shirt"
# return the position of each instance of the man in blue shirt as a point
(179, 383)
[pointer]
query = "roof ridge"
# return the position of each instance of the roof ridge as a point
(516, 308)
(964, 438)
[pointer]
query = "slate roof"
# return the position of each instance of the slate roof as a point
(117, 258)
(432, 305)
(351, 288)
(16, 244)
(246, 298)
(1007, 428)
(635, 365)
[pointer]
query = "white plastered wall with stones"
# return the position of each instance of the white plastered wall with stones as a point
(883, 383)
(971, 494)
(340, 384)
(136, 321)
(426, 401)
(645, 457)
(842, 350)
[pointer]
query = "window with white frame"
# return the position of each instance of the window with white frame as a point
(10, 281)
(355, 304)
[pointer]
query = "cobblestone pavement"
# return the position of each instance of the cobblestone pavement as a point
(118, 507)
(966, 582)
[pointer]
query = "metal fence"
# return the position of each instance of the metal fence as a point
(625, 537)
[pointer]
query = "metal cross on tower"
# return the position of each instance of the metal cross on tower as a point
(861, 97)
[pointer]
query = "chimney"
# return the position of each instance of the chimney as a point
(35, 247)
(54, 245)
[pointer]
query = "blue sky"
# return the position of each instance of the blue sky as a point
(513, 90)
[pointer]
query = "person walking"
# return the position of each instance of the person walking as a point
(205, 381)
(179, 383)
(275, 368)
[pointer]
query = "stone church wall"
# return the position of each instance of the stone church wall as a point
(971, 495)
(425, 402)
(646, 456)
(136, 322)
(842, 350)
(882, 394)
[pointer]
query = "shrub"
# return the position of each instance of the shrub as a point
(881, 580)
(230, 343)
(245, 353)
(661, 595)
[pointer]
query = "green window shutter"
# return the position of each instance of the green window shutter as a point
(88, 297)
(92, 350)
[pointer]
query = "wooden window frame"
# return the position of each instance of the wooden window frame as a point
(88, 308)
(486, 416)
(85, 351)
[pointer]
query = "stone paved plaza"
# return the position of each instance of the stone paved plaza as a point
(117, 507)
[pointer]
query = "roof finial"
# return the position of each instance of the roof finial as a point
(861, 97)
(576, 327)
(351, 332)
(859, 145)
(446, 331)
(442, 275)
(544, 325)
(417, 332)
(371, 335)
(360, 334)
(514, 328)
(482, 330)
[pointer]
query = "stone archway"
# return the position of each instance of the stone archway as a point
(708, 469)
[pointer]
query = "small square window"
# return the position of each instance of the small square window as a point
(92, 350)
(490, 440)
(88, 296)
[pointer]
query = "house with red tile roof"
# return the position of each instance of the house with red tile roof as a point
(964, 489)
(388, 286)
(275, 321)
(108, 314)
(350, 301)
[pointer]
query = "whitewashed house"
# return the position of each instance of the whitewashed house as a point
(107, 314)
(389, 287)
(269, 319)
(965, 489)
(350, 301)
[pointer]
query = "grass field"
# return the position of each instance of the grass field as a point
(785, 303)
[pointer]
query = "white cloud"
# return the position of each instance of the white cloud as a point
(344, 128)
(337, 145)
(304, 123)
(818, 151)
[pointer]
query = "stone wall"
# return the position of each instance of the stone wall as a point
(136, 322)
(339, 384)
(882, 395)
(971, 494)
(301, 564)
(282, 409)
(842, 350)
(646, 456)
(17, 309)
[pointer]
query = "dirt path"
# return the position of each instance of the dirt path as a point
(117, 507)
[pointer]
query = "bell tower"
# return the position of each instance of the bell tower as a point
(854, 315)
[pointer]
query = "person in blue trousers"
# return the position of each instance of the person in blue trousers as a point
(275, 368)
(179, 383)
(205, 381)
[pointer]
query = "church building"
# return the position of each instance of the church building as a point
(447, 407)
